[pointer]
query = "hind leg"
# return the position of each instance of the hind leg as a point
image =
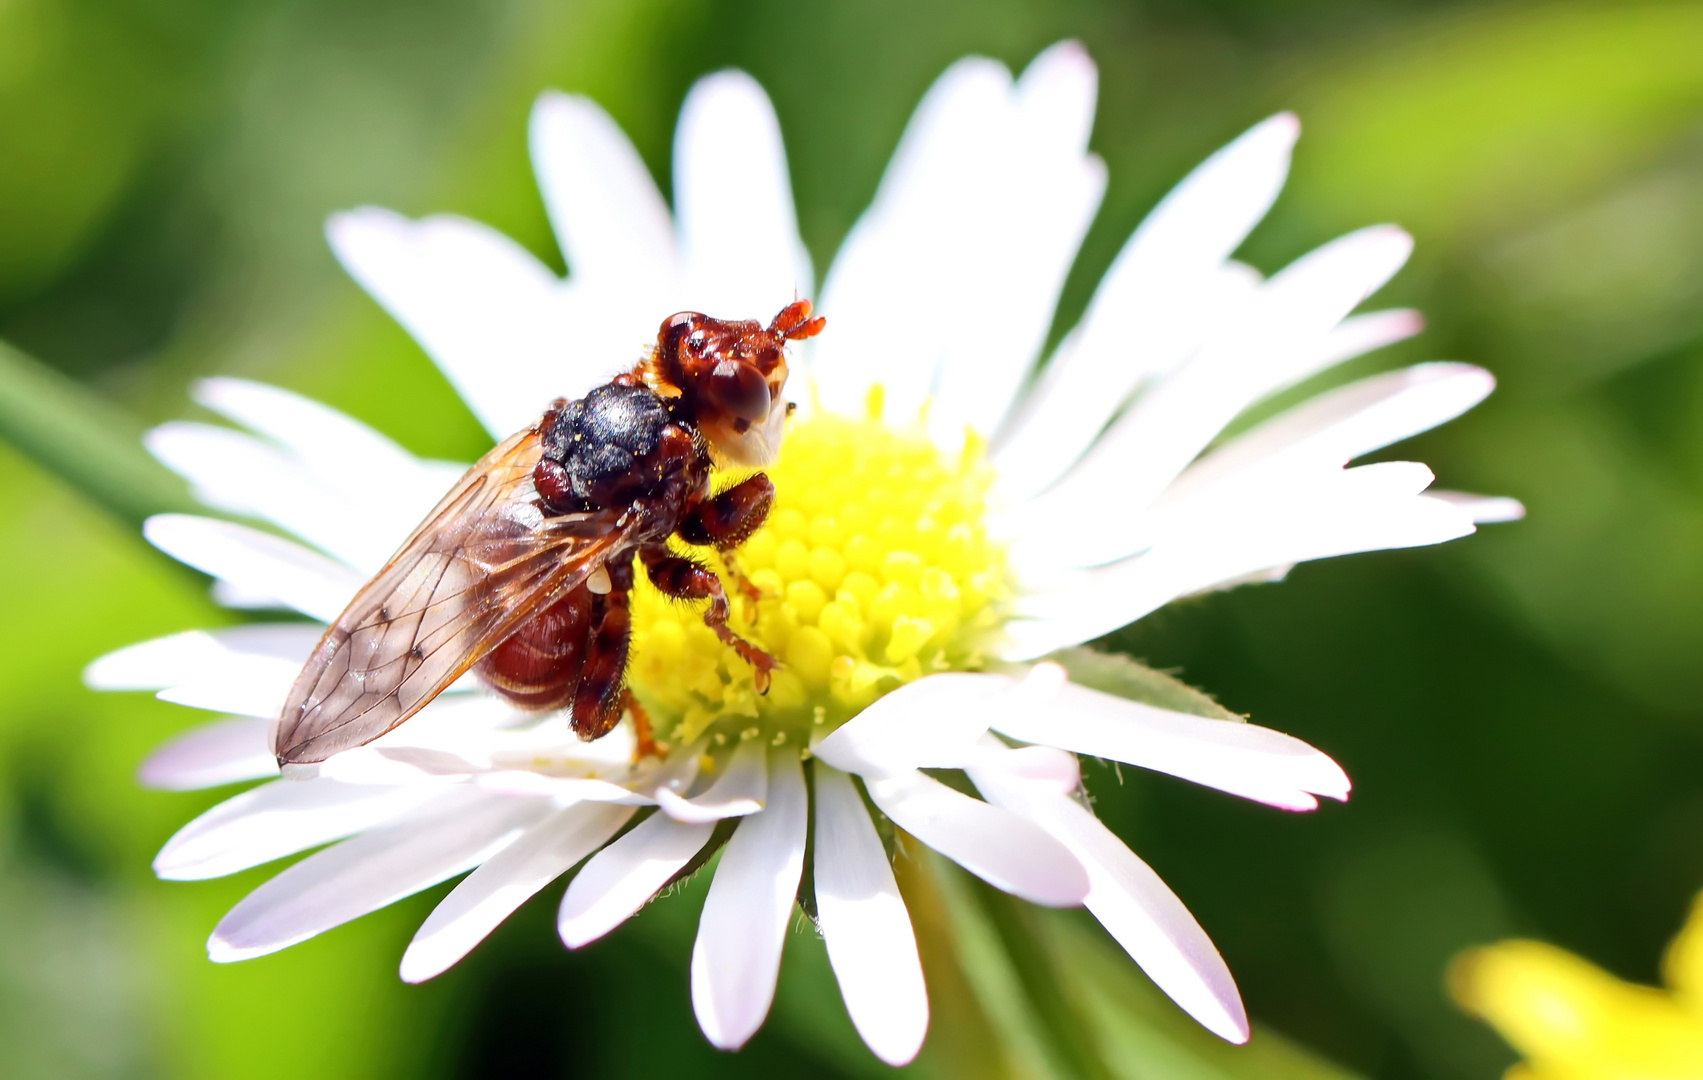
(645, 743)
(600, 695)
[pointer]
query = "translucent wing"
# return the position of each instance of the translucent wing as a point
(480, 564)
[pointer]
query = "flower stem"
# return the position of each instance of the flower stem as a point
(88, 443)
(1007, 966)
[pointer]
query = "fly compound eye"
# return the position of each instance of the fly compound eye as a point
(740, 390)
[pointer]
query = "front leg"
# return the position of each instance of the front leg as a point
(730, 518)
(684, 579)
(727, 521)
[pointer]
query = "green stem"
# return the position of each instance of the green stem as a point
(1051, 996)
(87, 442)
(1008, 959)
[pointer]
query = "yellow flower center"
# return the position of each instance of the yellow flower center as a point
(873, 569)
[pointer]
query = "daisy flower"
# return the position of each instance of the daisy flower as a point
(950, 526)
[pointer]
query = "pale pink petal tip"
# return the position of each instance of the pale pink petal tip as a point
(224, 752)
(1483, 509)
(1006, 851)
(1242, 759)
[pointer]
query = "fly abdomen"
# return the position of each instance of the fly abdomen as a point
(539, 665)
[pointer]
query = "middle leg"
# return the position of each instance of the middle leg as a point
(684, 579)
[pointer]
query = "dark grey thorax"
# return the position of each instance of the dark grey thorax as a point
(603, 440)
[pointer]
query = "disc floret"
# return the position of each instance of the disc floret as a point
(872, 570)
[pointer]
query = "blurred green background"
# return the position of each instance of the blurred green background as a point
(1522, 712)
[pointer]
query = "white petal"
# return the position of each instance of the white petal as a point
(336, 448)
(737, 955)
(460, 733)
(256, 561)
(246, 691)
(739, 245)
(505, 881)
(1152, 306)
(223, 752)
(933, 722)
(1077, 395)
(978, 218)
(384, 766)
(1274, 344)
(610, 219)
(1369, 508)
(887, 285)
(1243, 759)
(1130, 900)
(1055, 769)
(1484, 509)
(240, 474)
(199, 654)
(621, 879)
(1334, 428)
(738, 791)
(241, 598)
(1305, 446)
(997, 846)
(378, 491)
(871, 945)
(1205, 218)
(278, 819)
(563, 790)
(505, 332)
(1034, 209)
(1358, 335)
(371, 871)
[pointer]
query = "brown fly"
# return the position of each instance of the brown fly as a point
(522, 572)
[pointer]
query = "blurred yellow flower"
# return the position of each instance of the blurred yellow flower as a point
(1573, 1021)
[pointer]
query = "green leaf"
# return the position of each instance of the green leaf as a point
(1141, 1035)
(88, 443)
(962, 1037)
(1062, 1001)
(807, 1009)
(1495, 114)
(986, 996)
(1116, 674)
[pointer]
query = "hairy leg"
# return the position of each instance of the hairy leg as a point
(645, 743)
(729, 519)
(598, 700)
(685, 579)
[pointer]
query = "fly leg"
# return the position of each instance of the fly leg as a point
(644, 739)
(685, 579)
(600, 695)
(727, 521)
(747, 588)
